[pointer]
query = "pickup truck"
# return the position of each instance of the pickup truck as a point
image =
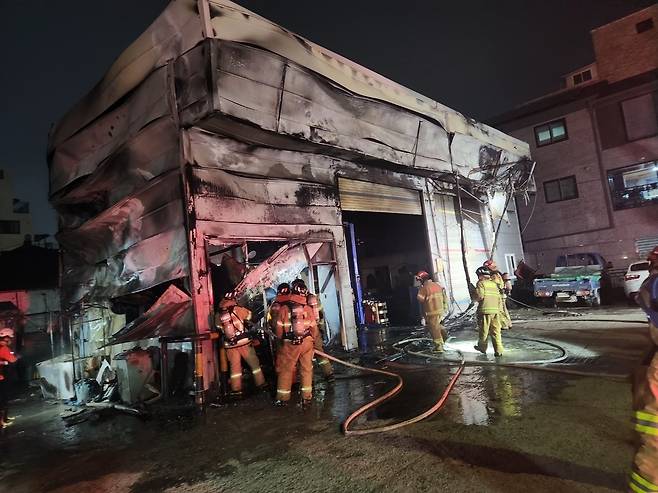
(577, 277)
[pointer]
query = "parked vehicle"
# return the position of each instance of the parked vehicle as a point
(635, 275)
(577, 277)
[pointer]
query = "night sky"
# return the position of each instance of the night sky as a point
(480, 57)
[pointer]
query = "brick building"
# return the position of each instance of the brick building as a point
(596, 146)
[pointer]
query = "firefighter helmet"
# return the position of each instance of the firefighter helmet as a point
(423, 275)
(298, 286)
(483, 271)
(228, 300)
(283, 288)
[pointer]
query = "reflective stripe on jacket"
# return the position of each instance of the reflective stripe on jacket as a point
(433, 299)
(489, 296)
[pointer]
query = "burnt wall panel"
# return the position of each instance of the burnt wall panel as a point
(278, 96)
(155, 260)
(193, 81)
(83, 153)
(151, 153)
(149, 212)
(175, 31)
(224, 197)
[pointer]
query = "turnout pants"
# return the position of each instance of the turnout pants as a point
(489, 326)
(644, 477)
(287, 358)
(505, 319)
(437, 331)
(235, 355)
(323, 363)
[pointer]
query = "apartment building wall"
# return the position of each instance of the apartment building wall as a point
(628, 46)
(597, 147)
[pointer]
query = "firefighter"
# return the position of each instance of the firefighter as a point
(644, 477)
(318, 317)
(7, 357)
(505, 285)
(282, 296)
(488, 313)
(232, 319)
(296, 329)
(433, 299)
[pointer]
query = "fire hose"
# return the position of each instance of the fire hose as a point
(461, 364)
(391, 393)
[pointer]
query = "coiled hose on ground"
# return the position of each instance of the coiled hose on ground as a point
(395, 390)
(461, 364)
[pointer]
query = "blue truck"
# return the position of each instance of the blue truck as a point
(578, 277)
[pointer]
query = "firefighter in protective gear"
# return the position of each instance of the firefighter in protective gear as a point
(433, 299)
(644, 476)
(7, 357)
(282, 296)
(283, 293)
(231, 319)
(488, 313)
(318, 315)
(296, 329)
(505, 286)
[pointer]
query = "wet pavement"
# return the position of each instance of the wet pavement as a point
(502, 428)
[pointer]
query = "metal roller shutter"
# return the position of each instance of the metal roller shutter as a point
(364, 196)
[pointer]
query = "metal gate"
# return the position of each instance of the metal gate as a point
(365, 196)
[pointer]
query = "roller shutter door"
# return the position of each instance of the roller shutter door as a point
(364, 196)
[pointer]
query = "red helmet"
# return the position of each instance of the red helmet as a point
(423, 275)
(653, 256)
(488, 263)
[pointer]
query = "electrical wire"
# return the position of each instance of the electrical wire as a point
(532, 211)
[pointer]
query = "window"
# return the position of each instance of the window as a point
(550, 133)
(10, 227)
(639, 266)
(585, 76)
(644, 25)
(634, 186)
(640, 117)
(21, 207)
(562, 189)
(510, 265)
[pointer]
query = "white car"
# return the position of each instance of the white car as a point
(635, 276)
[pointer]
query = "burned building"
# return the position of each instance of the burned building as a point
(220, 143)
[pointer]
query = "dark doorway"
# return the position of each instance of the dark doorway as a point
(390, 249)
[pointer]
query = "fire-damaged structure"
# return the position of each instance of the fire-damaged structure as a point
(220, 143)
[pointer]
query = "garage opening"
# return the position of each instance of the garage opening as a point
(254, 268)
(387, 245)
